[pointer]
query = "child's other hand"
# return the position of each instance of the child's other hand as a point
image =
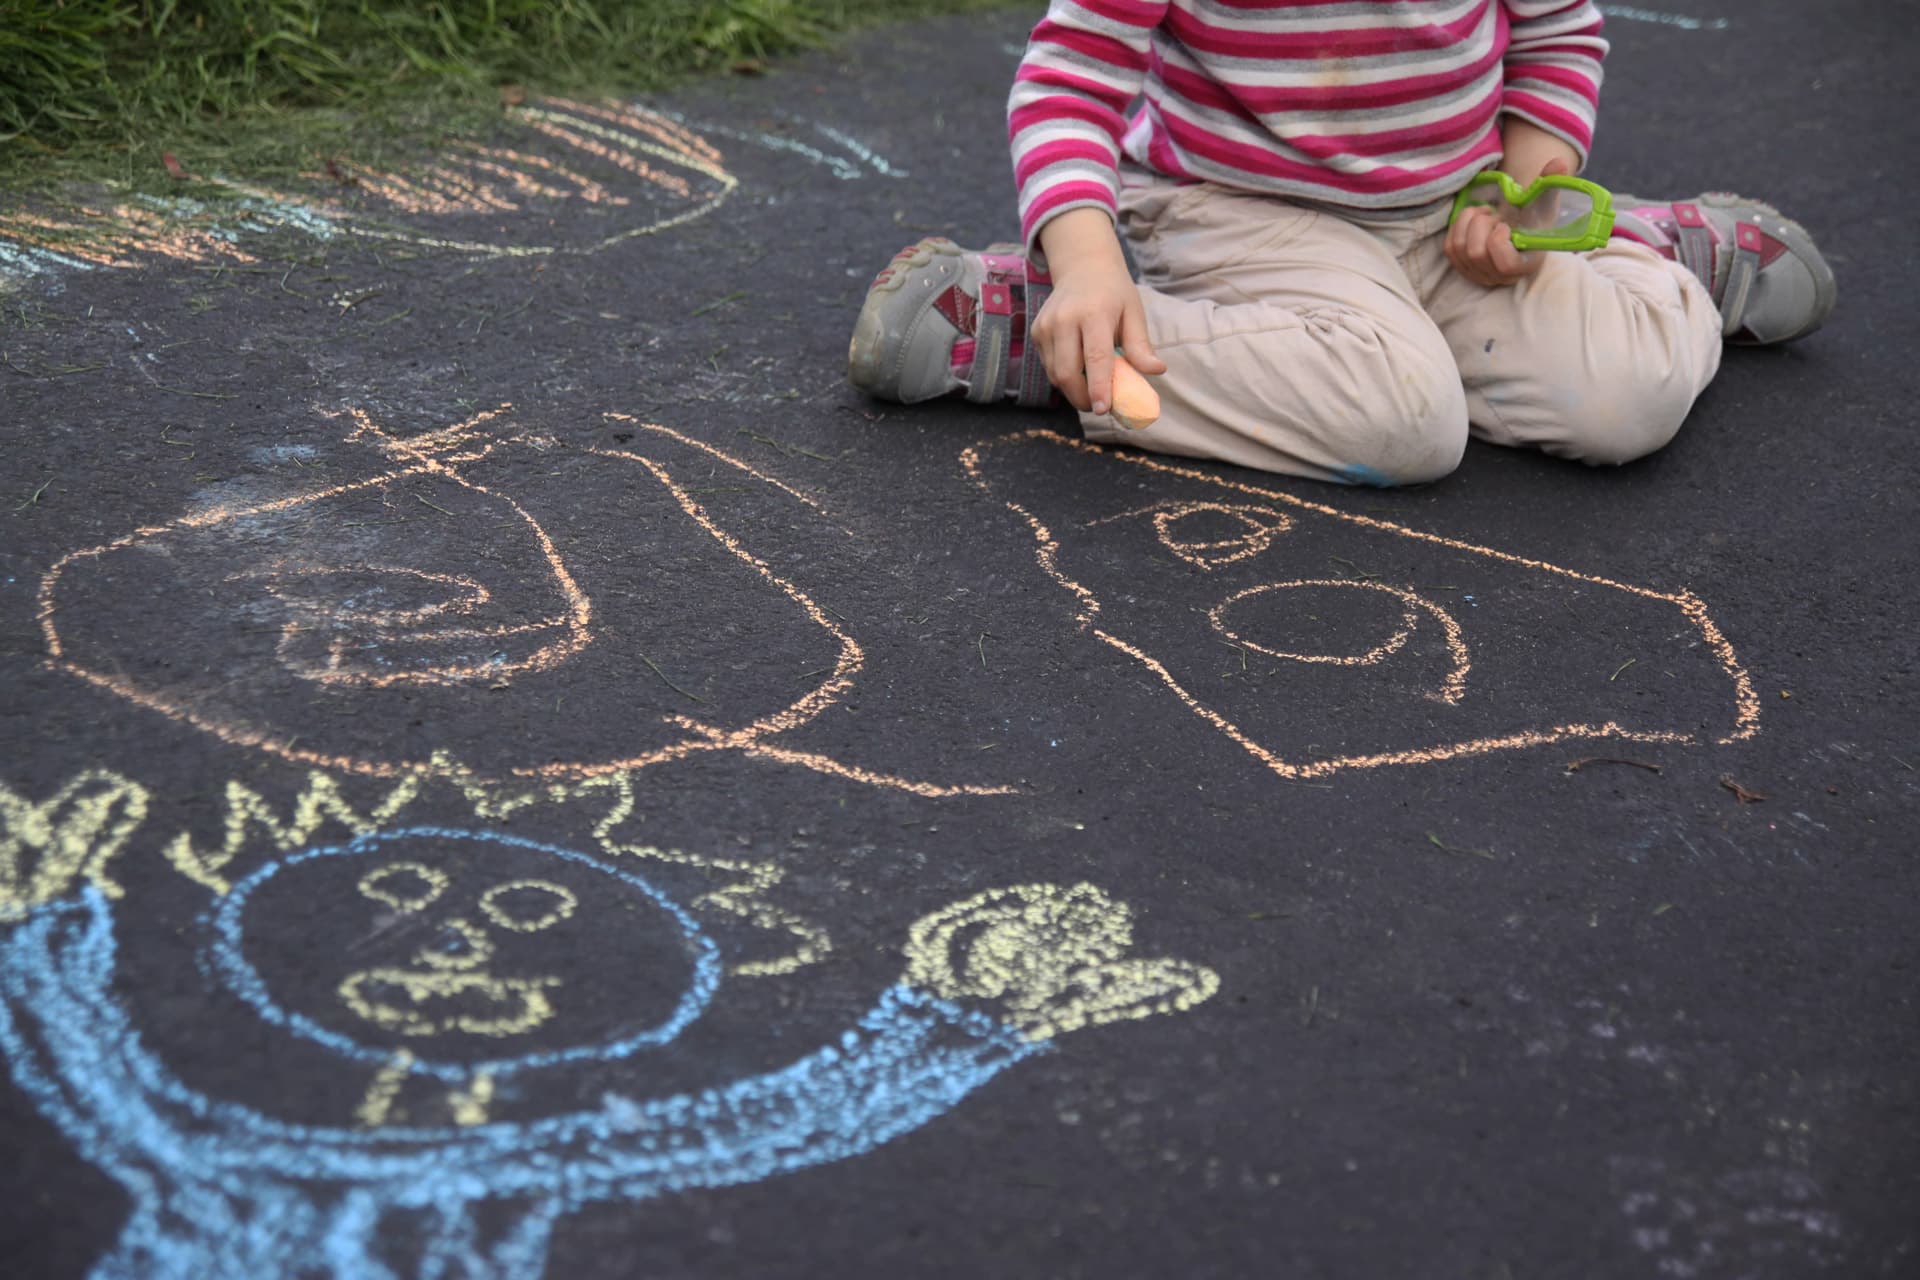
(1094, 307)
(1480, 245)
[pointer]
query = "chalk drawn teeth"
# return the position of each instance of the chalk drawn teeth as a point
(1318, 640)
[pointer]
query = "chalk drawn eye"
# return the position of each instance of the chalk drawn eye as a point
(404, 886)
(1211, 534)
(527, 906)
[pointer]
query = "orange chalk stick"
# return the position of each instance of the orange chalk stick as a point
(1136, 404)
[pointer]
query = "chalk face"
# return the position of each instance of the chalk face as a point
(465, 951)
(1317, 639)
(352, 627)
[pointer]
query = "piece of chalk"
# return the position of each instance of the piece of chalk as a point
(1136, 404)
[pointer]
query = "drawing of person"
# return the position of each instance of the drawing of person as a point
(224, 1190)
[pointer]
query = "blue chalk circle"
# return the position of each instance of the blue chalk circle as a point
(221, 1191)
(226, 957)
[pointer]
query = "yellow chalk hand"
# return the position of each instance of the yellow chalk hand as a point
(47, 848)
(1053, 959)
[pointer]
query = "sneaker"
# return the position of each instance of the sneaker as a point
(940, 320)
(1763, 270)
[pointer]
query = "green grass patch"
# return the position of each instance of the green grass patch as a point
(100, 89)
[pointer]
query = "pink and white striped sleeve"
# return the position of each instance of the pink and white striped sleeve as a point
(1553, 67)
(1085, 62)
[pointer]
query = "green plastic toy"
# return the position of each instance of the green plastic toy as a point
(1554, 212)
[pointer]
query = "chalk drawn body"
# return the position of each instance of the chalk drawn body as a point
(224, 1190)
(394, 598)
(1318, 640)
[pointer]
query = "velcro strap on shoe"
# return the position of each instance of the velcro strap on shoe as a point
(1694, 242)
(1749, 245)
(992, 343)
(1035, 392)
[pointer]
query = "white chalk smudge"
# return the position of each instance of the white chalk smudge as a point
(1629, 13)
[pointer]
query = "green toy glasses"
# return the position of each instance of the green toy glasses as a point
(1555, 212)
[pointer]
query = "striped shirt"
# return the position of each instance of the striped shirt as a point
(1364, 103)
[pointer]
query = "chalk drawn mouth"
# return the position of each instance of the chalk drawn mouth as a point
(431, 1002)
(1423, 649)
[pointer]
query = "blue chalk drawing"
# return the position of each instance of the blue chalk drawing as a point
(228, 960)
(221, 1190)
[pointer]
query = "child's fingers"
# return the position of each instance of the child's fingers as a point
(1064, 369)
(1458, 239)
(1135, 343)
(1503, 257)
(1098, 354)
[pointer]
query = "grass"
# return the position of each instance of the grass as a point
(104, 89)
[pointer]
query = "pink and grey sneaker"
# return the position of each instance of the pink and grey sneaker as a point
(1763, 270)
(940, 319)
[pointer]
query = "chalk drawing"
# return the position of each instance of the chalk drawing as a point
(1336, 650)
(616, 171)
(576, 177)
(1629, 13)
(221, 1189)
(447, 990)
(1055, 958)
(325, 616)
(47, 847)
(859, 158)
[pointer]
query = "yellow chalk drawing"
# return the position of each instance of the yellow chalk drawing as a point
(746, 898)
(90, 818)
(432, 883)
(377, 1106)
(1213, 534)
(46, 848)
(453, 974)
(650, 172)
(516, 917)
(1053, 959)
(469, 1105)
(370, 625)
(415, 1003)
(320, 802)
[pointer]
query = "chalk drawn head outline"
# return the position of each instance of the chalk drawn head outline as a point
(368, 621)
(226, 955)
(222, 1191)
(1240, 547)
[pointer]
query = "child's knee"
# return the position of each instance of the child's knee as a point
(1419, 439)
(1619, 424)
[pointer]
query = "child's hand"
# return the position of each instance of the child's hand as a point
(1095, 306)
(1480, 245)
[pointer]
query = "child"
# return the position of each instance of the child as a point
(1303, 306)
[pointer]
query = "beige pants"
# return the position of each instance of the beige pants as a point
(1343, 346)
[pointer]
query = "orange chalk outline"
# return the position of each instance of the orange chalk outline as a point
(1746, 701)
(1451, 691)
(438, 453)
(613, 133)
